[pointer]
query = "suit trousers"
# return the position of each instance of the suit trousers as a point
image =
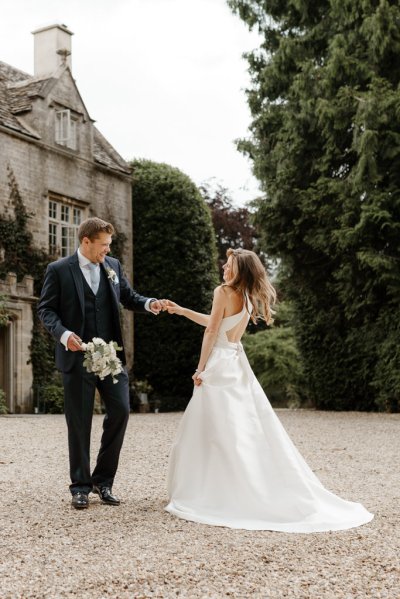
(79, 392)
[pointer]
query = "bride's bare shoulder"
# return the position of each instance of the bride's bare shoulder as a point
(232, 298)
(223, 294)
(225, 291)
(219, 292)
(230, 291)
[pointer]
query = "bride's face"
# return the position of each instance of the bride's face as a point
(229, 270)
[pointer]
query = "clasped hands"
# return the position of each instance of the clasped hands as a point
(165, 305)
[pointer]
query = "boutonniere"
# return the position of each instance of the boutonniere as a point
(112, 275)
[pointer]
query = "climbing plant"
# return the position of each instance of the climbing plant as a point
(4, 312)
(19, 255)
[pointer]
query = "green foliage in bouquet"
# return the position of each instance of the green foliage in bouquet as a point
(101, 358)
(174, 257)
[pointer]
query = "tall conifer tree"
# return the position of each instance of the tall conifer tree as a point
(325, 102)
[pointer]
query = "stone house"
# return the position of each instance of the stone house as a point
(65, 171)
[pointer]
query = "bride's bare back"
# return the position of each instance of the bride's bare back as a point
(235, 305)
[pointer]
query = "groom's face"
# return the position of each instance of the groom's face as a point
(96, 250)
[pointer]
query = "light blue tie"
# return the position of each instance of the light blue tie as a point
(94, 271)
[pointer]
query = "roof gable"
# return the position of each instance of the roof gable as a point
(22, 92)
(18, 91)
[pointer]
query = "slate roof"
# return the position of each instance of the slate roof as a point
(11, 74)
(18, 91)
(22, 93)
(7, 117)
(106, 155)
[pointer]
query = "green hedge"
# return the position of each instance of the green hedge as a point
(276, 361)
(52, 399)
(174, 257)
(3, 405)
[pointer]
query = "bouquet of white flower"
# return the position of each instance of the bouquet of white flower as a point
(101, 358)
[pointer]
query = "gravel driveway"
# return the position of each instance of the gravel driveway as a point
(49, 550)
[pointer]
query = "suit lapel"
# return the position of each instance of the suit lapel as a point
(78, 279)
(104, 266)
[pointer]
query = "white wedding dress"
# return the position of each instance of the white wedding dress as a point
(233, 464)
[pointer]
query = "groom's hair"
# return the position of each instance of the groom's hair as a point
(91, 227)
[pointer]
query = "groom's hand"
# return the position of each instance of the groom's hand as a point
(156, 306)
(74, 343)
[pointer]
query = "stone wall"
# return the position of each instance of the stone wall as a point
(39, 170)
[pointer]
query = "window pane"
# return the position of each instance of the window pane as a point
(64, 241)
(72, 235)
(77, 216)
(52, 210)
(52, 238)
(72, 135)
(58, 127)
(64, 221)
(65, 213)
(63, 126)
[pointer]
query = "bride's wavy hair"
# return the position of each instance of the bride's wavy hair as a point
(250, 278)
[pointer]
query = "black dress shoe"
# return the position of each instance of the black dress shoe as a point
(105, 495)
(80, 500)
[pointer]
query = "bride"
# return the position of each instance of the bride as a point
(232, 463)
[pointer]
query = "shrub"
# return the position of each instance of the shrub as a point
(174, 257)
(276, 362)
(3, 406)
(52, 397)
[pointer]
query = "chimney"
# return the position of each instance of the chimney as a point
(52, 49)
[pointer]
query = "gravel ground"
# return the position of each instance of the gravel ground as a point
(138, 550)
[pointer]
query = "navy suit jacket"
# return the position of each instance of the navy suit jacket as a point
(62, 305)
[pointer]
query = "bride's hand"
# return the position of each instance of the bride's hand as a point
(196, 379)
(173, 308)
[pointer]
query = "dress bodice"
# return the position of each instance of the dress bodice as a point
(230, 322)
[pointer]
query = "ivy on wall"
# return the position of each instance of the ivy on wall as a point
(119, 238)
(19, 255)
(118, 245)
(4, 312)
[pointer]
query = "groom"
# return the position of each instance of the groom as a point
(80, 300)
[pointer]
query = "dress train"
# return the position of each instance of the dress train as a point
(233, 464)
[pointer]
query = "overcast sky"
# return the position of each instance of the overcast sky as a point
(163, 79)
